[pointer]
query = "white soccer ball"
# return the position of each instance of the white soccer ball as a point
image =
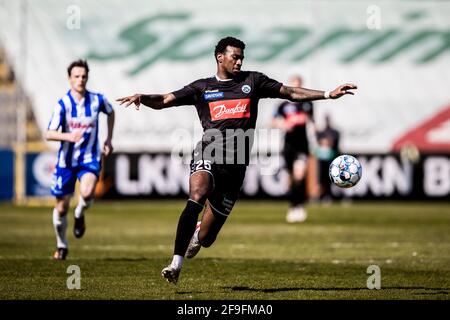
(345, 171)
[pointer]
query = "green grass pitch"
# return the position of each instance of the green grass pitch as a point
(256, 256)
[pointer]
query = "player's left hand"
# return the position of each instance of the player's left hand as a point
(107, 147)
(342, 90)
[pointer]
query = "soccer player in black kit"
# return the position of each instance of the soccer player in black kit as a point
(293, 117)
(227, 107)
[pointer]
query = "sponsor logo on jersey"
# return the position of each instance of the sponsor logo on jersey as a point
(212, 95)
(229, 109)
(80, 125)
(246, 88)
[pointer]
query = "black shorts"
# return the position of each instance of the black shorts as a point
(227, 183)
(291, 154)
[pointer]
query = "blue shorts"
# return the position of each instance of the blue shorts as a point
(64, 179)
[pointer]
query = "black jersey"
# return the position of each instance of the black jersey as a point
(296, 116)
(228, 108)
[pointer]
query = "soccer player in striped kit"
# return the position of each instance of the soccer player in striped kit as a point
(79, 155)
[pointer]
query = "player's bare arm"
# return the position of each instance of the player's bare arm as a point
(107, 146)
(298, 94)
(154, 101)
(53, 135)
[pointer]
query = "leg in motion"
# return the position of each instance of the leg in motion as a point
(60, 227)
(200, 185)
(88, 182)
(206, 230)
(217, 209)
(297, 212)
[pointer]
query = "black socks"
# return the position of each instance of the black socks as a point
(186, 226)
(298, 193)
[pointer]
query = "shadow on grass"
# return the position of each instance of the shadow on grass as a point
(125, 259)
(272, 290)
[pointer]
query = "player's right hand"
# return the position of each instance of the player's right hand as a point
(136, 99)
(76, 136)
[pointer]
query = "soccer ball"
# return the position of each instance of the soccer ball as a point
(345, 171)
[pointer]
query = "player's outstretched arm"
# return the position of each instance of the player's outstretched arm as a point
(303, 94)
(154, 101)
(74, 136)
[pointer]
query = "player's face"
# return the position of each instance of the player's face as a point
(231, 60)
(78, 79)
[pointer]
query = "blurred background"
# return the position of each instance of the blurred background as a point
(397, 52)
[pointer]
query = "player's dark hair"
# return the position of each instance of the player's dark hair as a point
(78, 63)
(228, 41)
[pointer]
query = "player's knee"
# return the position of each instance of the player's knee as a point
(299, 173)
(62, 208)
(298, 176)
(87, 192)
(199, 194)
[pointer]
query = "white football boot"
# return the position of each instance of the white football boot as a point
(194, 246)
(171, 274)
(296, 214)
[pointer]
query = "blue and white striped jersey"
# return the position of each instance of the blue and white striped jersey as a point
(70, 116)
